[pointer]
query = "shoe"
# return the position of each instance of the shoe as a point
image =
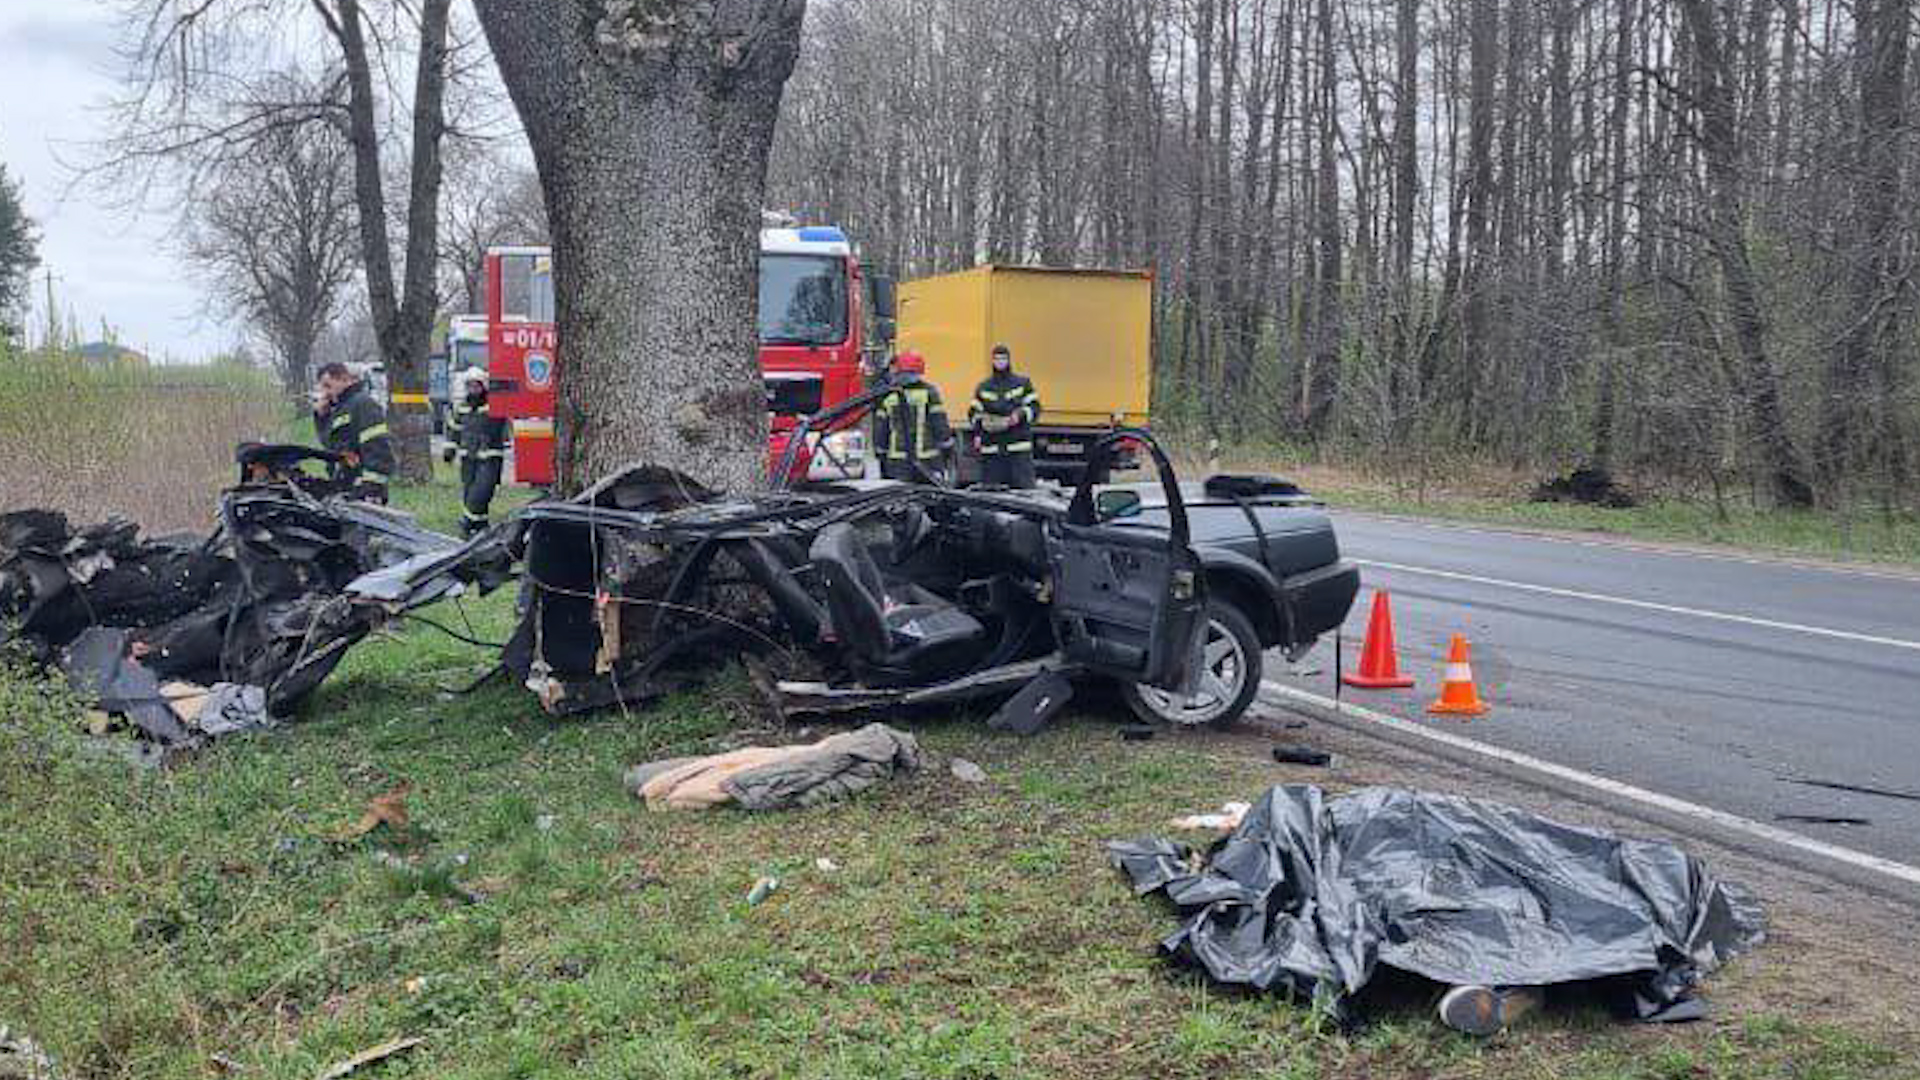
(1483, 1011)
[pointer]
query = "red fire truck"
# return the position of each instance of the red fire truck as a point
(812, 333)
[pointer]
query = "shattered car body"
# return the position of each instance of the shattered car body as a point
(263, 601)
(899, 594)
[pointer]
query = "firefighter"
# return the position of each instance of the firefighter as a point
(1002, 415)
(479, 440)
(351, 423)
(910, 426)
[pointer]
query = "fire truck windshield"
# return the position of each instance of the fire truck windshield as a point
(803, 300)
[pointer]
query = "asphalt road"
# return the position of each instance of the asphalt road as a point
(1718, 680)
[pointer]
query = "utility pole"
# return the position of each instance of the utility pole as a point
(51, 342)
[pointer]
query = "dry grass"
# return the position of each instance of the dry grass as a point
(155, 444)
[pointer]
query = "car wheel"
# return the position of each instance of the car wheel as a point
(1226, 685)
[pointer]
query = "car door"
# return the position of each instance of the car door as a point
(1129, 600)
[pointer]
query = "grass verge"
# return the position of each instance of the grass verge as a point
(1495, 497)
(533, 921)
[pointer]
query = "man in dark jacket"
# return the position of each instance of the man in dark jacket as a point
(351, 423)
(1003, 412)
(910, 429)
(479, 440)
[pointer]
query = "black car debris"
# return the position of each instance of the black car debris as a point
(262, 601)
(842, 597)
(871, 594)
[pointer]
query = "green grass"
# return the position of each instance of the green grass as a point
(1861, 535)
(1471, 491)
(535, 921)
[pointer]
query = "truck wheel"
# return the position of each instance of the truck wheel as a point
(1226, 686)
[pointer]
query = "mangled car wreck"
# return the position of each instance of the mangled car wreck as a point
(871, 594)
(842, 597)
(187, 637)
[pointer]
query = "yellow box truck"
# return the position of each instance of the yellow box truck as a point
(1083, 336)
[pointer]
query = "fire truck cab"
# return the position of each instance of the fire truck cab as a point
(812, 319)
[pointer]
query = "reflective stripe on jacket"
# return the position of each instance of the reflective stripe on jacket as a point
(1007, 394)
(479, 434)
(356, 426)
(911, 422)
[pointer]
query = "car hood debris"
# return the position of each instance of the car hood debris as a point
(1313, 896)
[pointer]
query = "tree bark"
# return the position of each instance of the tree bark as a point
(650, 124)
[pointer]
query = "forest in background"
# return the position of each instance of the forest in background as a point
(1669, 238)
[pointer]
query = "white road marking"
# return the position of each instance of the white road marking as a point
(1734, 822)
(1648, 605)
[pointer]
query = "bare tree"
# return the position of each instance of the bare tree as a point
(1726, 237)
(650, 123)
(195, 101)
(274, 237)
(488, 202)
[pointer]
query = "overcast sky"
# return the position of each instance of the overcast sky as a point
(55, 70)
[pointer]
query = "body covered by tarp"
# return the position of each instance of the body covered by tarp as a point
(1314, 895)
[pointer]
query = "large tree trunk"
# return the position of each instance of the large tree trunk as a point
(650, 124)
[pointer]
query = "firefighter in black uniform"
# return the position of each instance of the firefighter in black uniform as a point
(1003, 412)
(910, 426)
(479, 440)
(351, 423)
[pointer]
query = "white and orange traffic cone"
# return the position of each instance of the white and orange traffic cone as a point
(1458, 695)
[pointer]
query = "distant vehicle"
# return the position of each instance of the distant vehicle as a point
(813, 330)
(466, 347)
(437, 388)
(1083, 336)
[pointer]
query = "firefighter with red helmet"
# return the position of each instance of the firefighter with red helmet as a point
(910, 429)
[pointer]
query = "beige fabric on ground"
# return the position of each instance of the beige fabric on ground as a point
(696, 785)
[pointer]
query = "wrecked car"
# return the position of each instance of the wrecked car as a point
(143, 624)
(878, 593)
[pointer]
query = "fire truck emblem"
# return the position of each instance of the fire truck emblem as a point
(539, 370)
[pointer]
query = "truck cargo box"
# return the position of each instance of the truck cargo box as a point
(1082, 336)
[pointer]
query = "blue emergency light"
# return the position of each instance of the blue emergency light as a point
(823, 233)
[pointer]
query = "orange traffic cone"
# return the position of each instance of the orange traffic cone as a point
(1458, 697)
(1379, 668)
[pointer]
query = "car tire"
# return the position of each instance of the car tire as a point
(1233, 658)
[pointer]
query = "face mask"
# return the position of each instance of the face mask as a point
(1002, 363)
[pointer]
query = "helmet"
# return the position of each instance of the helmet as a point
(474, 374)
(910, 361)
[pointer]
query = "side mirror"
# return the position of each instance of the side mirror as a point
(884, 329)
(885, 306)
(1109, 505)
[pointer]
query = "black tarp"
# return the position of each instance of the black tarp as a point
(1314, 895)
